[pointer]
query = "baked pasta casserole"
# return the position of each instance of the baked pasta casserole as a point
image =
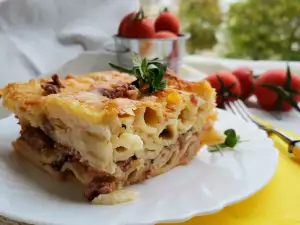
(101, 129)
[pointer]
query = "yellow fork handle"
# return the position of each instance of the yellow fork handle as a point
(295, 149)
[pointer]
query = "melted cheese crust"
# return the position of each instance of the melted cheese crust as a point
(106, 131)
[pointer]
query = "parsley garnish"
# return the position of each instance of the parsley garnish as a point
(149, 73)
(231, 140)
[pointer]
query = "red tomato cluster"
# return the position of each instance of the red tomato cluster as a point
(275, 89)
(232, 85)
(137, 25)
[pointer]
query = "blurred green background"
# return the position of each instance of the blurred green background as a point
(251, 29)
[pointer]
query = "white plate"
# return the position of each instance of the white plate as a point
(209, 183)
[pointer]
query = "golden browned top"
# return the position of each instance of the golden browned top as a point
(107, 119)
(81, 96)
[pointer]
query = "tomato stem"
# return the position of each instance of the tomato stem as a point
(140, 15)
(225, 91)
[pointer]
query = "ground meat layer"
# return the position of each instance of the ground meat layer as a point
(61, 161)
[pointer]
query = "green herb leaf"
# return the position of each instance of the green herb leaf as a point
(136, 59)
(153, 67)
(231, 140)
(216, 148)
(121, 69)
(154, 59)
(148, 73)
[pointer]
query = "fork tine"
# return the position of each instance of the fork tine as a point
(240, 111)
(246, 114)
(244, 111)
(244, 108)
(228, 108)
(232, 108)
(251, 118)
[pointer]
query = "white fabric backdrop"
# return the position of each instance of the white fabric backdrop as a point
(39, 36)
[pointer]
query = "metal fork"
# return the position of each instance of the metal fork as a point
(240, 109)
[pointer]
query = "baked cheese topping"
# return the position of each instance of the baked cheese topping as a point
(107, 120)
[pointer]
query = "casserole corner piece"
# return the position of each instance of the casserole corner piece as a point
(101, 129)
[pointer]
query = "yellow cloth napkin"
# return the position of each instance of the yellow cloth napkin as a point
(278, 203)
